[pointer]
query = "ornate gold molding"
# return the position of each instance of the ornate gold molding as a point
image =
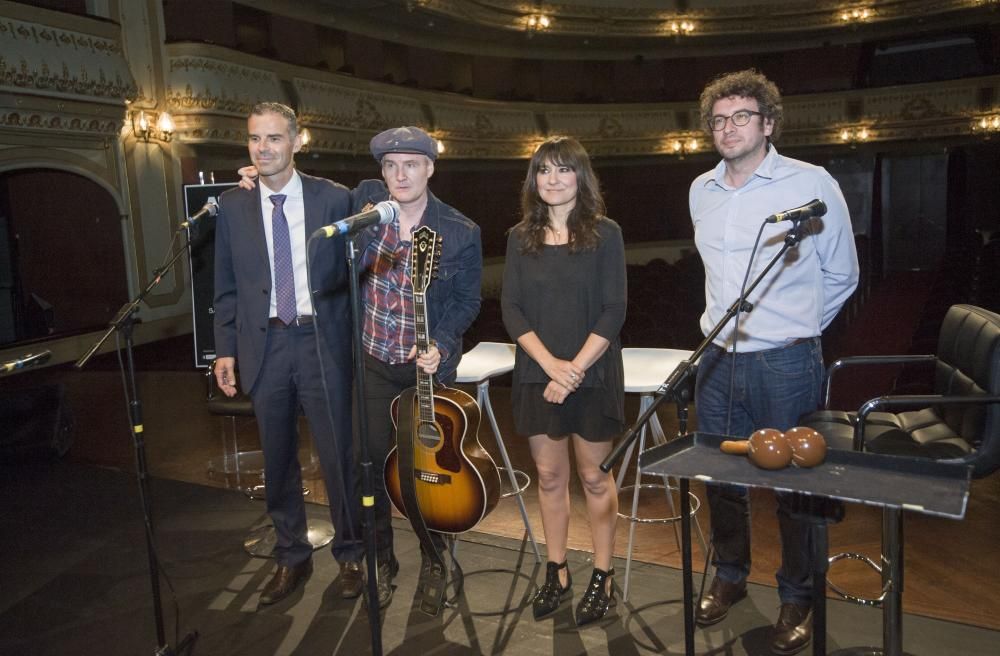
(199, 84)
(188, 101)
(221, 68)
(330, 103)
(33, 120)
(343, 112)
(52, 61)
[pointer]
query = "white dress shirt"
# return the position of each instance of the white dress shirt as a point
(803, 293)
(295, 215)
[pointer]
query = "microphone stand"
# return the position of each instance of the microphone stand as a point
(675, 386)
(124, 322)
(367, 473)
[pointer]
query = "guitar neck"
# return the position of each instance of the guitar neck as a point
(425, 381)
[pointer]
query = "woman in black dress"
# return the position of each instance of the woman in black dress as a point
(564, 304)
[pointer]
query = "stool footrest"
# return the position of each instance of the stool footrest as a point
(858, 599)
(258, 492)
(695, 504)
(519, 475)
(260, 542)
(244, 462)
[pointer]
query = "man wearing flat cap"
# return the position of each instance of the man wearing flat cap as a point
(406, 156)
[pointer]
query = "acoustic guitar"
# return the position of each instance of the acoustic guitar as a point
(456, 480)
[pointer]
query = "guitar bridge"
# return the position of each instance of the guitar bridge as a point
(433, 478)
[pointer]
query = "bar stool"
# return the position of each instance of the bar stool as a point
(645, 371)
(260, 541)
(233, 461)
(486, 360)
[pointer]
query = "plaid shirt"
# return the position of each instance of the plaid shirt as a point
(389, 331)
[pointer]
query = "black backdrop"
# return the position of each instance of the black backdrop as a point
(202, 265)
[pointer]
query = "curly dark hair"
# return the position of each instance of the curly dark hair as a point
(746, 84)
(585, 215)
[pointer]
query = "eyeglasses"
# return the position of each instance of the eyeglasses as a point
(739, 119)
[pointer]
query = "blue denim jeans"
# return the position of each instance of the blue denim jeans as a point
(769, 389)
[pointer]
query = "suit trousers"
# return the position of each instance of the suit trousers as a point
(290, 379)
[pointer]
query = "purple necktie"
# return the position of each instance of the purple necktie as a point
(284, 275)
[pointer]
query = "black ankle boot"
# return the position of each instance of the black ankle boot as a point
(551, 595)
(596, 600)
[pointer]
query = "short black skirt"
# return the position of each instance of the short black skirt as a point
(580, 413)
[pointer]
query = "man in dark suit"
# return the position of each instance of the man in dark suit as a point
(293, 346)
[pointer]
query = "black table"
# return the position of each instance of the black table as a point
(893, 483)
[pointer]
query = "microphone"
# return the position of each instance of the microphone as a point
(211, 208)
(384, 212)
(27, 361)
(810, 210)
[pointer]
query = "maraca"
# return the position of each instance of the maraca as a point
(808, 446)
(767, 448)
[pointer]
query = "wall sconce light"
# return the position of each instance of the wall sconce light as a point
(142, 126)
(987, 125)
(855, 135)
(856, 15)
(165, 124)
(537, 23)
(682, 28)
(306, 138)
(440, 146)
(681, 145)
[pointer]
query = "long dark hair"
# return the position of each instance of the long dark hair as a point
(585, 215)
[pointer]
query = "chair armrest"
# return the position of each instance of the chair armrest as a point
(857, 360)
(911, 400)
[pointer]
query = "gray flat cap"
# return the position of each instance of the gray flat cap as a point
(407, 139)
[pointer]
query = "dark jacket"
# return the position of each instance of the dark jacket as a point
(243, 277)
(454, 295)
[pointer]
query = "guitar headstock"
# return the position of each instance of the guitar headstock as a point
(424, 258)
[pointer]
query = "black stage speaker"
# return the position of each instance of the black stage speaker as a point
(37, 423)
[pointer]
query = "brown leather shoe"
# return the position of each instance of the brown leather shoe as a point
(351, 579)
(285, 580)
(714, 606)
(793, 631)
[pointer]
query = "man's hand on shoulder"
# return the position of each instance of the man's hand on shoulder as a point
(248, 174)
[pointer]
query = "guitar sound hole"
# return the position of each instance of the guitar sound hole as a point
(428, 435)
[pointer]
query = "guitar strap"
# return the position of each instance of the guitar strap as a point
(432, 584)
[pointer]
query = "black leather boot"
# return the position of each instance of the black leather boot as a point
(599, 597)
(551, 595)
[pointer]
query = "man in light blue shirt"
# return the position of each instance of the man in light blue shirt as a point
(766, 369)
